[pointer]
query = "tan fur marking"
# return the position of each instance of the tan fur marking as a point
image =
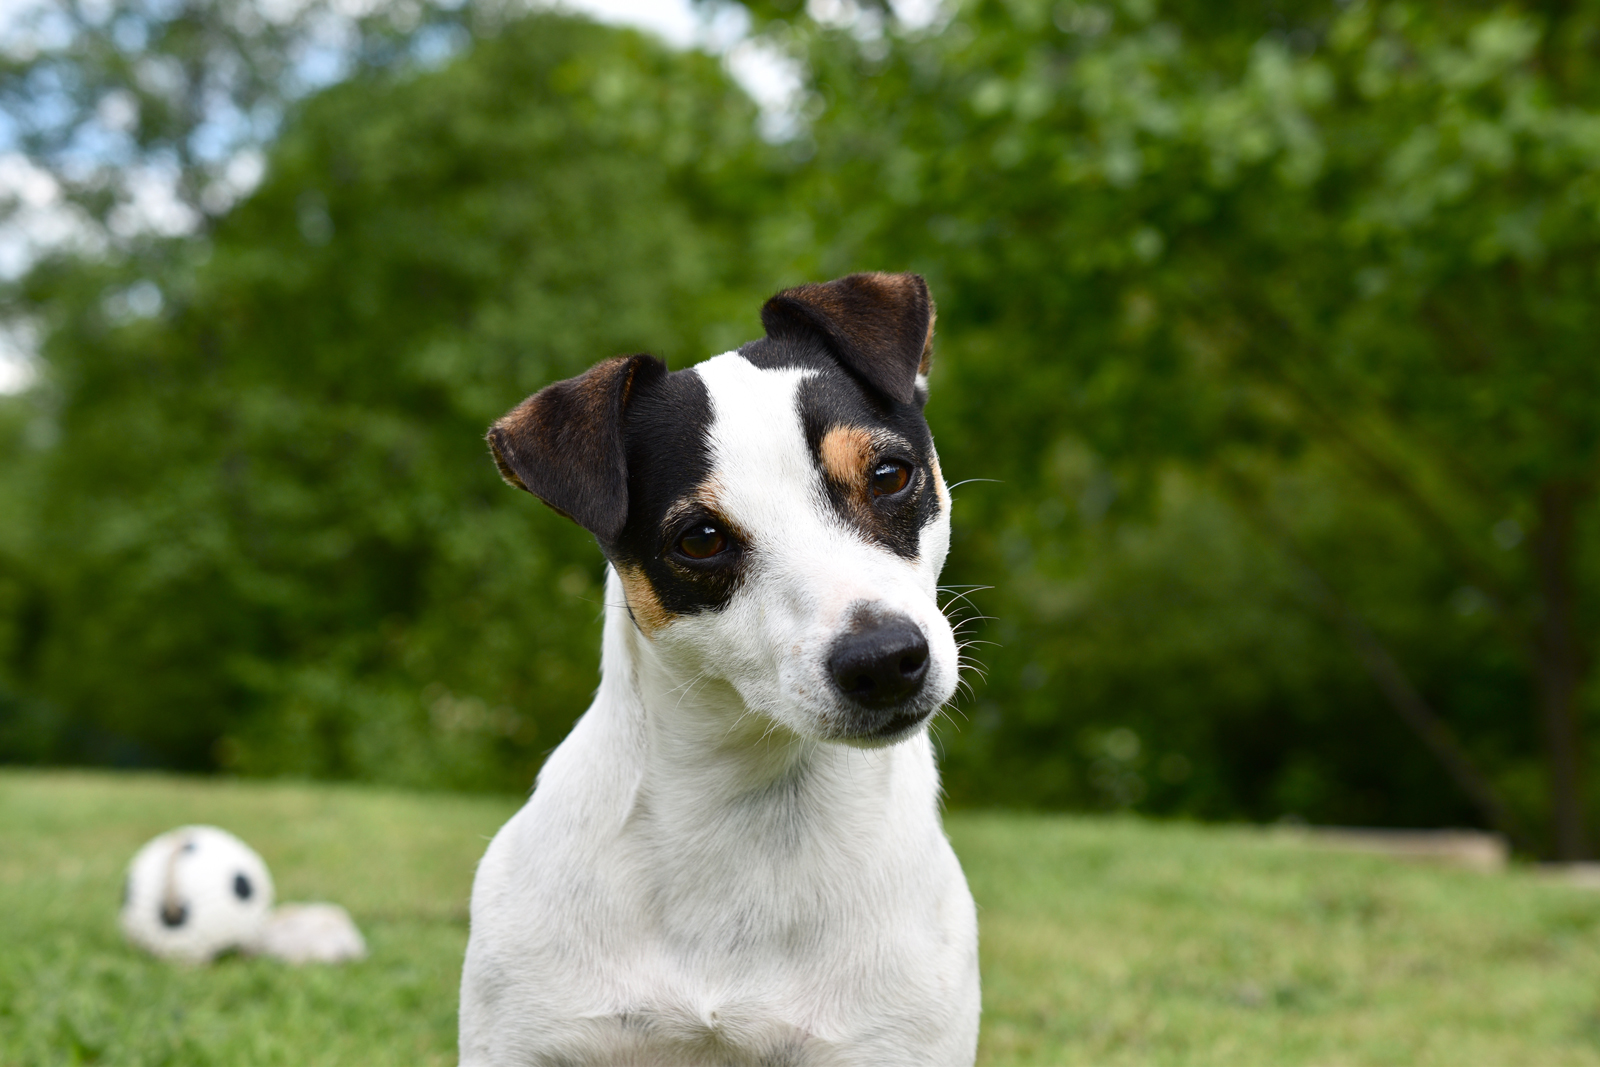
(643, 604)
(705, 497)
(846, 451)
(938, 482)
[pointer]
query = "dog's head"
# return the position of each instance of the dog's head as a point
(776, 515)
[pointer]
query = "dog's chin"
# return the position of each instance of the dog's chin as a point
(890, 727)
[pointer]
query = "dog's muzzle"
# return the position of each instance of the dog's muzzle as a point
(880, 666)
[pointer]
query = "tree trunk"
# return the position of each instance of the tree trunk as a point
(1558, 666)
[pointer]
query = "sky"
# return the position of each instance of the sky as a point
(671, 19)
(771, 79)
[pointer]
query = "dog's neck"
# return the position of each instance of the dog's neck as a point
(702, 752)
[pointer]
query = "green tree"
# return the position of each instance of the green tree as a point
(1252, 242)
(1268, 318)
(267, 533)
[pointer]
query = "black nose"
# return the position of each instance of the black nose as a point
(881, 664)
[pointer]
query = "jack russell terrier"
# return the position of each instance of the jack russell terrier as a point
(736, 856)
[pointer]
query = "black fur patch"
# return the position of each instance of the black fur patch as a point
(868, 336)
(563, 444)
(669, 463)
(832, 400)
(878, 326)
(777, 353)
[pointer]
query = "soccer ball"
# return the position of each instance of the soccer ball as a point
(196, 892)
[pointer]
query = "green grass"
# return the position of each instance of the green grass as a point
(1105, 941)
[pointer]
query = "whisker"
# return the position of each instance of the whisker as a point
(976, 616)
(947, 709)
(967, 596)
(689, 688)
(771, 726)
(974, 667)
(961, 601)
(964, 643)
(690, 682)
(735, 724)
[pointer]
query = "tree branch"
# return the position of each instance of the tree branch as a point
(1381, 666)
(1386, 476)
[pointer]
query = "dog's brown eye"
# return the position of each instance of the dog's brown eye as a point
(702, 541)
(890, 478)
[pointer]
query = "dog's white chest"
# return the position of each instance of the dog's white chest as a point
(636, 945)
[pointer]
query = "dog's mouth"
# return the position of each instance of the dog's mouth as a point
(879, 728)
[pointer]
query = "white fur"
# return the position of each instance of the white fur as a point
(702, 876)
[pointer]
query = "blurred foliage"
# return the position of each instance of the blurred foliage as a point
(1269, 320)
(117, 98)
(265, 534)
(1339, 262)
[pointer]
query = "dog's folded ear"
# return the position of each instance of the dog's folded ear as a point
(564, 443)
(878, 326)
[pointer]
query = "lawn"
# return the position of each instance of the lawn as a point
(1105, 941)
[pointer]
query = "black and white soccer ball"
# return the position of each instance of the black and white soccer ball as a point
(194, 893)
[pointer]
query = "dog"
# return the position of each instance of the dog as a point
(736, 856)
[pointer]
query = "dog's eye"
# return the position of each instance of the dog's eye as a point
(702, 541)
(889, 478)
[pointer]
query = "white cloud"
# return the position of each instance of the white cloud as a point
(919, 14)
(18, 343)
(153, 205)
(673, 20)
(238, 180)
(34, 217)
(16, 375)
(772, 78)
